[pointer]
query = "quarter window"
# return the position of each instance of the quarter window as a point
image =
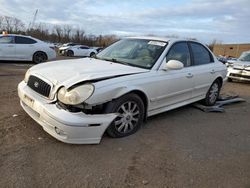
(6, 39)
(24, 40)
(180, 52)
(200, 54)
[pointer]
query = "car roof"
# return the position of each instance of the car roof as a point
(13, 35)
(164, 39)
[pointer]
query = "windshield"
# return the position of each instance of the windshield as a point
(245, 56)
(134, 52)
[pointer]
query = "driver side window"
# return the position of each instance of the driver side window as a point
(179, 52)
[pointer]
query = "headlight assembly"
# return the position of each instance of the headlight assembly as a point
(247, 68)
(76, 95)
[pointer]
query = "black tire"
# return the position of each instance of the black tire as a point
(213, 93)
(131, 114)
(229, 79)
(70, 53)
(92, 54)
(39, 57)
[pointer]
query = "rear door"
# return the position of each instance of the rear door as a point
(25, 47)
(7, 47)
(203, 68)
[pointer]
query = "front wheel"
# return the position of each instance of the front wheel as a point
(70, 53)
(213, 93)
(130, 110)
(92, 54)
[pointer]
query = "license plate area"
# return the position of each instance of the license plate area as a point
(28, 101)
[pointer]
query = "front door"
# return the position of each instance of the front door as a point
(173, 86)
(7, 48)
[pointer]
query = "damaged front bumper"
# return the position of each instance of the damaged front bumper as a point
(236, 74)
(68, 127)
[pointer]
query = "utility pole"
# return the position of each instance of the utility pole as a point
(31, 25)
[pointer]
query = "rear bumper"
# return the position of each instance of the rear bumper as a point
(51, 55)
(75, 128)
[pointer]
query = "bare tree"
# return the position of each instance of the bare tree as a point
(1, 23)
(55, 33)
(67, 29)
(11, 24)
(212, 44)
(18, 25)
(58, 30)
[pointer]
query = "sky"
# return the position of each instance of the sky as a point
(227, 21)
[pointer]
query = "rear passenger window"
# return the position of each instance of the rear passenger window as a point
(180, 52)
(24, 40)
(201, 55)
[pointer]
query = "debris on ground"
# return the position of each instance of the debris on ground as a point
(14, 115)
(218, 107)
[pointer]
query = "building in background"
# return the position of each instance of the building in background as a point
(230, 50)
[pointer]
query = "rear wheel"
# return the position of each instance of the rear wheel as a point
(130, 110)
(213, 93)
(39, 57)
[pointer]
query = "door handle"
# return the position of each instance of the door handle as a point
(10, 45)
(189, 75)
(212, 71)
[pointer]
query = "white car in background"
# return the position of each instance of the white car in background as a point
(25, 48)
(62, 49)
(81, 51)
(240, 69)
(77, 100)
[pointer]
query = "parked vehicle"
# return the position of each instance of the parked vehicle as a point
(65, 46)
(25, 48)
(98, 49)
(222, 59)
(77, 100)
(240, 69)
(83, 51)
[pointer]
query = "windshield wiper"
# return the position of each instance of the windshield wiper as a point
(113, 60)
(120, 62)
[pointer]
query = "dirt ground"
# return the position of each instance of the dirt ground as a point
(181, 148)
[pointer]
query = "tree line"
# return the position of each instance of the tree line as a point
(54, 33)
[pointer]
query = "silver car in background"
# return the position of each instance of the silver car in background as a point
(240, 69)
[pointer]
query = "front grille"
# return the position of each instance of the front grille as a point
(39, 86)
(240, 76)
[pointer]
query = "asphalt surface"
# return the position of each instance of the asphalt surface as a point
(180, 148)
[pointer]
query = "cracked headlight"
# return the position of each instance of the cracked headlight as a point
(76, 95)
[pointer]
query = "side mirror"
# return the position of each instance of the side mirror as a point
(173, 65)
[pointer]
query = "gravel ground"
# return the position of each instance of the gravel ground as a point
(181, 148)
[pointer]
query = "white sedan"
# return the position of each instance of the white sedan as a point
(81, 51)
(25, 48)
(240, 69)
(76, 101)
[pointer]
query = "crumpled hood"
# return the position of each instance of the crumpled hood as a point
(70, 72)
(241, 64)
